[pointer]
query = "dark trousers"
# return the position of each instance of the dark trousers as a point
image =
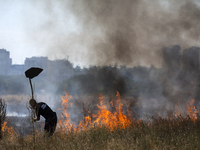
(50, 124)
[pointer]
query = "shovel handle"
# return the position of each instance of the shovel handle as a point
(31, 88)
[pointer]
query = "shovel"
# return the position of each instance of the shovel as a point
(31, 73)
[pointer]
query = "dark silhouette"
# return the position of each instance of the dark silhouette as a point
(50, 116)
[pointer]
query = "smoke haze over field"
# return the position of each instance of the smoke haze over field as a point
(105, 32)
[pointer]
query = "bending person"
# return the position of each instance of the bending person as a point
(50, 116)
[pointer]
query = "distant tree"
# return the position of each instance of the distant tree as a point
(2, 114)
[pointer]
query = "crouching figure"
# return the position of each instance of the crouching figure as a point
(44, 110)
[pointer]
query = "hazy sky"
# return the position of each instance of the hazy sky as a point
(21, 26)
(97, 32)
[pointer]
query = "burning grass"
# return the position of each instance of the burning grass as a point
(104, 117)
(114, 130)
(161, 134)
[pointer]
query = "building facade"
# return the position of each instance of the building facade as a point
(5, 62)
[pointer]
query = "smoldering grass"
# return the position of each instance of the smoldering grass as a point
(161, 133)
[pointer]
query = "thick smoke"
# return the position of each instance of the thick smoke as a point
(129, 32)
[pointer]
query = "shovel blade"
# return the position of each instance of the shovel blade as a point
(33, 72)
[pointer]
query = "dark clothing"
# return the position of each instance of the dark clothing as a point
(50, 125)
(50, 117)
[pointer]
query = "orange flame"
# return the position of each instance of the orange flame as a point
(65, 124)
(112, 119)
(8, 130)
(104, 117)
(191, 110)
(177, 111)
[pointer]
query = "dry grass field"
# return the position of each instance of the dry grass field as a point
(180, 133)
(108, 130)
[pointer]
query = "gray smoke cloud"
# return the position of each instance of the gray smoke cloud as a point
(105, 32)
(128, 32)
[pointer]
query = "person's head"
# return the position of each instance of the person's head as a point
(33, 103)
